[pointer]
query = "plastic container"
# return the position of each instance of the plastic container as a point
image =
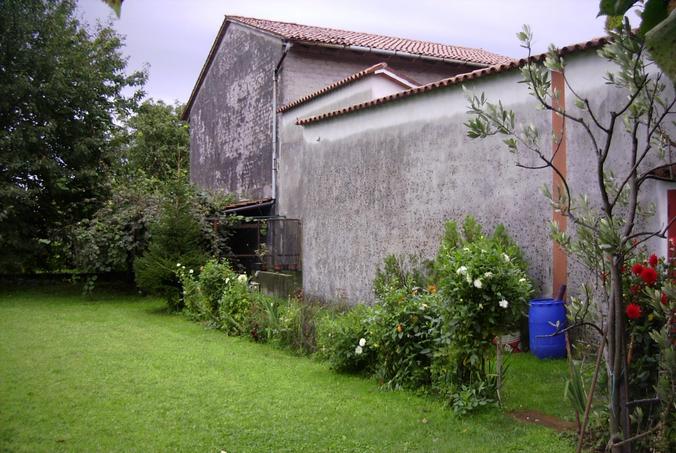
(543, 316)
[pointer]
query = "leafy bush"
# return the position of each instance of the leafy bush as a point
(175, 238)
(343, 340)
(297, 325)
(214, 280)
(234, 305)
(485, 290)
(262, 321)
(405, 329)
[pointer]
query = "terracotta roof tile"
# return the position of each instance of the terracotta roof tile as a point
(495, 69)
(347, 80)
(332, 36)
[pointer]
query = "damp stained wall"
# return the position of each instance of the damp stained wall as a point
(384, 181)
(231, 117)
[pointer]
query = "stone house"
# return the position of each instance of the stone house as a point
(370, 167)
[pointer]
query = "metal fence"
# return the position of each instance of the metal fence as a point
(267, 244)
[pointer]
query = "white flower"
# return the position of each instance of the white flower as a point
(358, 350)
(191, 271)
(488, 274)
(362, 342)
(506, 257)
(466, 249)
(468, 278)
(477, 283)
(503, 303)
(522, 280)
(462, 270)
(227, 280)
(423, 306)
(178, 264)
(242, 278)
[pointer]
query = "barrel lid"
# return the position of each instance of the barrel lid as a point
(546, 301)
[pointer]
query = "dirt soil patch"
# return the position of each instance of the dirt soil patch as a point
(539, 418)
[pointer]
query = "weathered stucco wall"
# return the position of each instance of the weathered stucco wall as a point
(384, 180)
(307, 69)
(231, 118)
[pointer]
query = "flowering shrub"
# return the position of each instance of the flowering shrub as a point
(344, 340)
(233, 305)
(483, 282)
(643, 278)
(218, 296)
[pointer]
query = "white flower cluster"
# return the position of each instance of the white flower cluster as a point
(360, 347)
(242, 278)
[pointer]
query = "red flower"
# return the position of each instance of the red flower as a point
(649, 276)
(653, 260)
(664, 299)
(637, 268)
(635, 289)
(633, 311)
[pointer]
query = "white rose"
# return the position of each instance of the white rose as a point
(190, 271)
(522, 280)
(506, 257)
(477, 283)
(178, 264)
(503, 303)
(362, 342)
(461, 270)
(242, 278)
(488, 274)
(358, 350)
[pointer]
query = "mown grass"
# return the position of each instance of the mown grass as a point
(120, 374)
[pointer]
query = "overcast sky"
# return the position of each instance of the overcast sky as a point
(174, 36)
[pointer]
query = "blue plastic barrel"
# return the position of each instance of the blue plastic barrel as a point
(543, 316)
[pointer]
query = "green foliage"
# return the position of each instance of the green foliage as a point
(175, 238)
(214, 279)
(404, 330)
(62, 89)
(343, 340)
(235, 305)
(155, 143)
(485, 290)
(263, 318)
(118, 232)
(298, 325)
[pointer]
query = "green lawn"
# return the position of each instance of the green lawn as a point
(119, 374)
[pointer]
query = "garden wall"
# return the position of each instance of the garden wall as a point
(383, 180)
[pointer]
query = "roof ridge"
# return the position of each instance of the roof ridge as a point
(345, 81)
(312, 33)
(238, 18)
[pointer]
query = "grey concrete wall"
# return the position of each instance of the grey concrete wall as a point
(231, 118)
(384, 181)
(307, 69)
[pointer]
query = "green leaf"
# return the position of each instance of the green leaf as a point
(116, 5)
(655, 11)
(615, 7)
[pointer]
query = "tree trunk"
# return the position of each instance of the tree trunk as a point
(617, 362)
